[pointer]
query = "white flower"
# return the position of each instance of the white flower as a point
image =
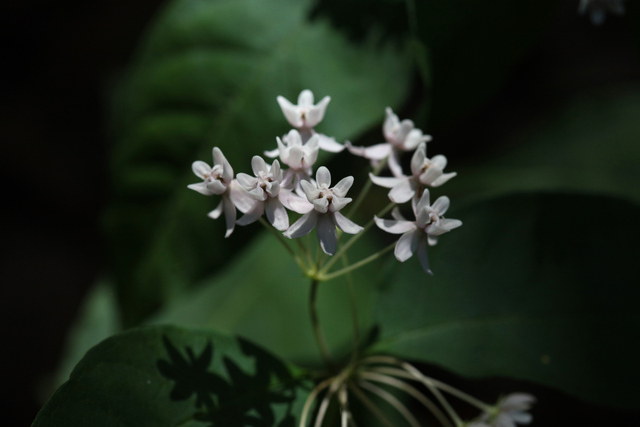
(425, 172)
(400, 136)
(299, 156)
(510, 411)
(218, 180)
(429, 224)
(265, 189)
(597, 9)
(305, 116)
(322, 210)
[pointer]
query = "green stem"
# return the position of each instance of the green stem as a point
(284, 243)
(358, 264)
(365, 189)
(315, 324)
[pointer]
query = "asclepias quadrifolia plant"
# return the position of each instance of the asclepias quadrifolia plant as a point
(290, 188)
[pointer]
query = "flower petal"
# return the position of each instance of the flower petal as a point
(295, 203)
(323, 177)
(441, 205)
(305, 98)
(423, 203)
(378, 151)
(216, 186)
(290, 112)
(403, 191)
(200, 168)
(422, 256)
(253, 215)
(258, 165)
(295, 157)
(321, 205)
(520, 401)
(341, 188)
(394, 226)
(327, 234)
(394, 163)
(220, 159)
(315, 114)
(338, 203)
(395, 214)
(229, 214)
(385, 181)
(407, 245)
(310, 190)
(302, 226)
(346, 225)
(272, 154)
(443, 178)
(201, 188)
(418, 159)
(241, 197)
(391, 122)
(215, 214)
(329, 144)
(276, 214)
(247, 181)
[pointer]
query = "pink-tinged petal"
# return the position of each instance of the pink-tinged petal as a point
(415, 137)
(201, 188)
(276, 214)
(310, 190)
(258, 194)
(229, 215)
(273, 188)
(253, 215)
(329, 144)
(258, 165)
(338, 203)
(302, 226)
(220, 159)
(311, 150)
(294, 203)
(283, 151)
(384, 181)
(423, 217)
(200, 168)
(391, 122)
(422, 256)
(290, 112)
(407, 245)
(343, 186)
(443, 178)
(423, 203)
(450, 224)
(241, 197)
(441, 205)
(403, 191)
(215, 214)
(431, 174)
(275, 170)
(394, 226)
(395, 214)
(273, 153)
(358, 151)
(321, 205)
(394, 163)
(443, 226)
(323, 177)
(216, 187)
(293, 138)
(378, 151)
(346, 225)
(247, 181)
(315, 114)
(327, 234)
(418, 159)
(305, 98)
(295, 157)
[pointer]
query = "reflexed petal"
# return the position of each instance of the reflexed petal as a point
(327, 234)
(200, 168)
(403, 191)
(215, 214)
(290, 112)
(384, 181)
(329, 144)
(201, 188)
(441, 204)
(341, 188)
(394, 226)
(407, 245)
(216, 187)
(310, 190)
(276, 214)
(247, 181)
(321, 205)
(443, 178)
(303, 226)
(395, 214)
(294, 203)
(358, 151)
(273, 153)
(432, 240)
(252, 216)
(316, 113)
(450, 224)
(422, 256)
(394, 163)
(418, 159)
(241, 197)
(346, 225)
(338, 203)
(378, 151)
(258, 165)
(229, 215)
(305, 98)
(323, 177)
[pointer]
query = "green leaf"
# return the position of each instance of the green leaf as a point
(590, 144)
(208, 74)
(170, 376)
(264, 296)
(539, 287)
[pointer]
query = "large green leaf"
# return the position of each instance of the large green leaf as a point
(264, 296)
(170, 376)
(540, 287)
(209, 74)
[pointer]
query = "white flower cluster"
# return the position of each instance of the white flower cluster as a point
(274, 190)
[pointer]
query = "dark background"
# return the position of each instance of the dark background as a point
(60, 61)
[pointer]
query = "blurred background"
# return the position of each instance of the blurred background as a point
(62, 61)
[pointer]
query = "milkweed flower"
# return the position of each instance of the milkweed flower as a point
(218, 180)
(400, 136)
(510, 411)
(304, 116)
(322, 210)
(265, 189)
(597, 9)
(429, 224)
(425, 172)
(299, 156)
